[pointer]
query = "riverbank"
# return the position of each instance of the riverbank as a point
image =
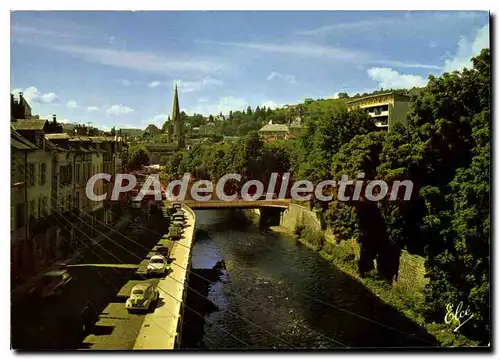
(406, 295)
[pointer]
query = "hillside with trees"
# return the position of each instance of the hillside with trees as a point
(445, 151)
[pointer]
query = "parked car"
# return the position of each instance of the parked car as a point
(177, 206)
(52, 283)
(142, 297)
(180, 213)
(163, 250)
(175, 233)
(178, 223)
(178, 218)
(158, 264)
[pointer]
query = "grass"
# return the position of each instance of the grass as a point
(407, 294)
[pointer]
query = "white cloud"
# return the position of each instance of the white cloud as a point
(33, 95)
(92, 108)
(323, 52)
(48, 98)
(141, 61)
(192, 86)
(119, 110)
(124, 82)
(72, 104)
(467, 49)
(224, 105)
(203, 100)
(157, 120)
(409, 22)
(288, 78)
(154, 84)
(270, 104)
(391, 79)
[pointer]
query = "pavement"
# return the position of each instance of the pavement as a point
(55, 323)
(118, 329)
(160, 329)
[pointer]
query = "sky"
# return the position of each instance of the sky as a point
(119, 68)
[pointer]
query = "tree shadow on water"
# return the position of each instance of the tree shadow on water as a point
(342, 308)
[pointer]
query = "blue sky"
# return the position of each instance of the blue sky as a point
(118, 68)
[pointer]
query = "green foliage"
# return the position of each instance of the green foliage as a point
(327, 130)
(445, 152)
(138, 157)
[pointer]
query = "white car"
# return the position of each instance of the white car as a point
(142, 296)
(158, 264)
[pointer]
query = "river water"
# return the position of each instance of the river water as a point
(275, 293)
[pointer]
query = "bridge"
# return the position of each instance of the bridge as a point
(236, 204)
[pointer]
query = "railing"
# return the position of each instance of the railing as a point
(236, 203)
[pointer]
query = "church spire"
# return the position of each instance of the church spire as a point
(177, 121)
(175, 110)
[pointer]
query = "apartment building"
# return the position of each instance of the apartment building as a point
(387, 109)
(49, 206)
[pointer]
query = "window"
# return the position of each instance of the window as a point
(32, 208)
(31, 174)
(43, 173)
(20, 216)
(77, 201)
(78, 173)
(65, 175)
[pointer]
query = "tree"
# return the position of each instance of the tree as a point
(138, 157)
(326, 131)
(343, 95)
(113, 131)
(445, 152)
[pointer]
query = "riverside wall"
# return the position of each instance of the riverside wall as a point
(300, 215)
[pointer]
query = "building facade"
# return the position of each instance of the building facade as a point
(50, 210)
(387, 109)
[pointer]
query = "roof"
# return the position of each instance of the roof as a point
(275, 127)
(19, 142)
(99, 139)
(142, 285)
(375, 96)
(157, 257)
(19, 145)
(58, 136)
(29, 124)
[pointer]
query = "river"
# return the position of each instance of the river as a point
(275, 293)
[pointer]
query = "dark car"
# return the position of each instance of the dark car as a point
(52, 283)
(163, 250)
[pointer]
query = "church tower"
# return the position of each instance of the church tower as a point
(177, 121)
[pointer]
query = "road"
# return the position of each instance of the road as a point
(55, 323)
